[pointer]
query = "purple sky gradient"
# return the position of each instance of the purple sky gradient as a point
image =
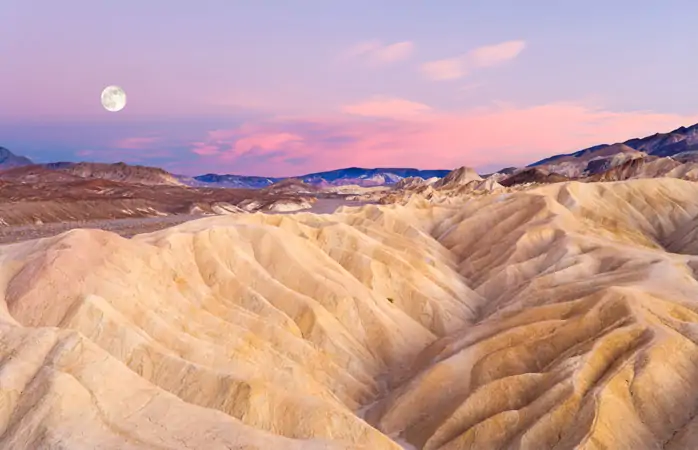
(289, 87)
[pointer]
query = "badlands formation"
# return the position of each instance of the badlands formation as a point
(556, 317)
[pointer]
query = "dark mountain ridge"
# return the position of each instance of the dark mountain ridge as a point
(681, 140)
(350, 175)
(9, 160)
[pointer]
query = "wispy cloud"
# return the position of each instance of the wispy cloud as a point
(482, 57)
(492, 55)
(445, 69)
(386, 107)
(264, 143)
(205, 149)
(234, 143)
(378, 53)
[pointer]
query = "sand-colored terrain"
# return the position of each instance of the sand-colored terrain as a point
(27, 201)
(563, 316)
(129, 227)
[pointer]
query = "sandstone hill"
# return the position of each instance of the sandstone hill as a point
(557, 317)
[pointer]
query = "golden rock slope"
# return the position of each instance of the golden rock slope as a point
(549, 318)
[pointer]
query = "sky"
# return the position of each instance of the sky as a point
(289, 87)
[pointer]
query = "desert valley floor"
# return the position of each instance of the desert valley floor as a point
(129, 227)
(558, 317)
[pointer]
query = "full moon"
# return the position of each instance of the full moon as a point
(113, 98)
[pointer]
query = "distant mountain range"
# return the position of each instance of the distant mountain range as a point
(340, 177)
(229, 181)
(19, 167)
(680, 144)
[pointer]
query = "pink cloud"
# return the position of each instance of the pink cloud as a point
(203, 149)
(445, 69)
(386, 107)
(135, 143)
(230, 144)
(377, 52)
(492, 55)
(265, 142)
(482, 57)
(500, 135)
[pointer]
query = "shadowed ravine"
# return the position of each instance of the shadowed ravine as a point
(555, 318)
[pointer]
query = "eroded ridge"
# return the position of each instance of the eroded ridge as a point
(558, 317)
(588, 336)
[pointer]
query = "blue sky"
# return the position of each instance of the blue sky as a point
(262, 87)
